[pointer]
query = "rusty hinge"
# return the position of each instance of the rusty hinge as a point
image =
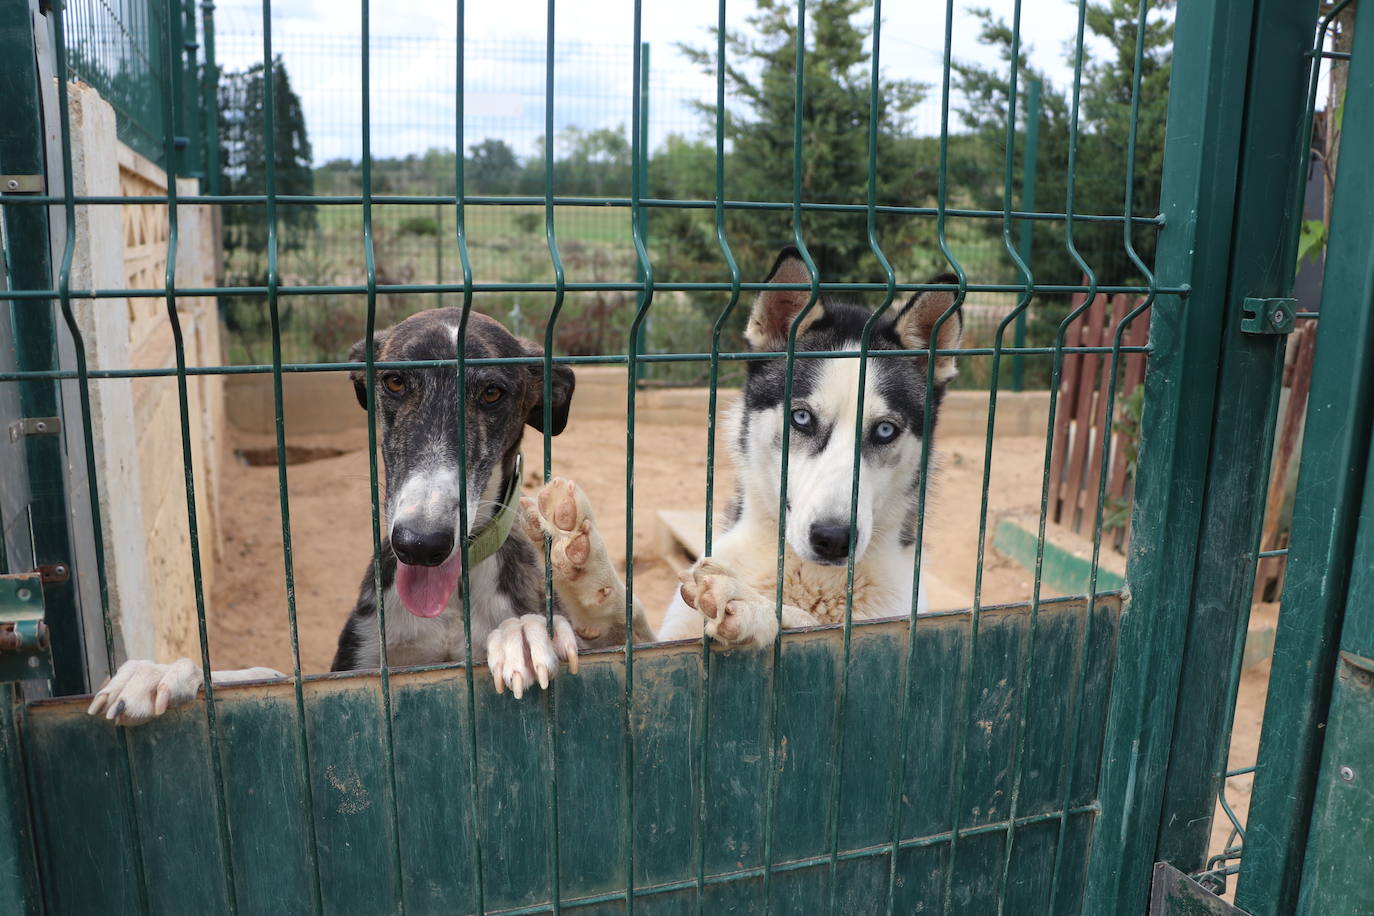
(1268, 316)
(52, 573)
(25, 647)
(35, 426)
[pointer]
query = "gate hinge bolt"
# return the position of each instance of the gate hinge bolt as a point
(1268, 316)
(21, 184)
(1363, 678)
(1347, 774)
(35, 426)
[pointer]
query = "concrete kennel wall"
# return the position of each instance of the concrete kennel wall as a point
(136, 422)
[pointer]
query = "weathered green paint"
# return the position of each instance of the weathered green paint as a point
(1202, 149)
(1340, 854)
(1268, 206)
(84, 821)
(1062, 570)
(19, 888)
(1321, 553)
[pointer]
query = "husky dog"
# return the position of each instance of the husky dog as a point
(421, 563)
(732, 591)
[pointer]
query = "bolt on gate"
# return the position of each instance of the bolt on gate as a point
(1029, 758)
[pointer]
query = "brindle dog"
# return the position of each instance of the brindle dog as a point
(421, 566)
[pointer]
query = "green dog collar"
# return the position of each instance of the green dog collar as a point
(486, 540)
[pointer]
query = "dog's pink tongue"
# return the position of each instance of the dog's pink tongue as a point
(425, 590)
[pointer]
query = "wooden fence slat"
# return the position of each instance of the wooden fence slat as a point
(1068, 396)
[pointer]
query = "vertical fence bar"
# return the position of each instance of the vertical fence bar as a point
(307, 798)
(551, 695)
(1056, 370)
(966, 699)
(127, 781)
(646, 298)
(1018, 361)
(908, 680)
(812, 301)
(170, 93)
(464, 259)
(370, 358)
(1322, 550)
(1262, 265)
(1202, 149)
(871, 230)
(704, 702)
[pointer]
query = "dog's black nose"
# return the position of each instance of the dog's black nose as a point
(830, 542)
(421, 548)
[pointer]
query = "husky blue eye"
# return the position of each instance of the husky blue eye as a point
(802, 419)
(885, 432)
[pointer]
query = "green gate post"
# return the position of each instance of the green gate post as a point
(28, 259)
(1018, 362)
(1322, 553)
(1263, 252)
(1204, 146)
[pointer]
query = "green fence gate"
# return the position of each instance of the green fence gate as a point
(1024, 759)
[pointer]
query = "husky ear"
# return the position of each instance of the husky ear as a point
(562, 390)
(914, 323)
(357, 354)
(775, 309)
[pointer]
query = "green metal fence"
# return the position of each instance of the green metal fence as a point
(1032, 758)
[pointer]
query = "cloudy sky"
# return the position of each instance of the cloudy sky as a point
(413, 62)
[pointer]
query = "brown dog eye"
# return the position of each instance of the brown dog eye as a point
(491, 394)
(394, 383)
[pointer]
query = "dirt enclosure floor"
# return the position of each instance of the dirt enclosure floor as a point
(332, 537)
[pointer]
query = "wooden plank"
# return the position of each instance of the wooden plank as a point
(1269, 575)
(1083, 416)
(1070, 373)
(265, 779)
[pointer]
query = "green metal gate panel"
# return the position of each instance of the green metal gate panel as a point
(82, 818)
(1309, 846)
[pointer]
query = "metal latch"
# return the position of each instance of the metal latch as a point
(25, 649)
(1268, 316)
(21, 184)
(35, 426)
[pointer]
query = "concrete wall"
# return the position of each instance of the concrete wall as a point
(136, 422)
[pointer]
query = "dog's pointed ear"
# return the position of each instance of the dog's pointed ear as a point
(918, 317)
(561, 388)
(775, 309)
(357, 354)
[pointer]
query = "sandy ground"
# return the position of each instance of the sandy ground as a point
(332, 537)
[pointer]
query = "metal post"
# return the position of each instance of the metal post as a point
(1322, 554)
(28, 254)
(1018, 361)
(1205, 143)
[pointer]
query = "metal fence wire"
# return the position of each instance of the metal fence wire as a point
(1024, 759)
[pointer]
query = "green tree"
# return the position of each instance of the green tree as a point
(761, 78)
(492, 167)
(1099, 182)
(244, 163)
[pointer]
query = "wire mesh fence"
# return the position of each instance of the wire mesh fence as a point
(628, 246)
